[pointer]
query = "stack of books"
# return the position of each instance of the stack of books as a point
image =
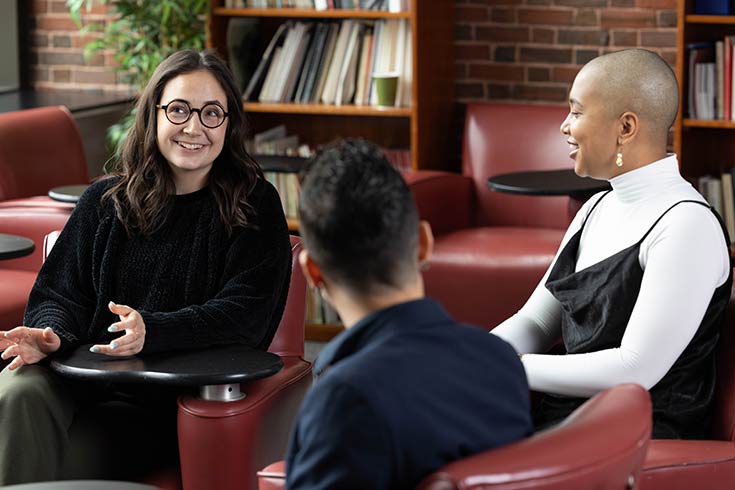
(332, 62)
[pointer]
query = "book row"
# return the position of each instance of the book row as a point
(318, 310)
(388, 5)
(333, 62)
(719, 192)
(287, 185)
(710, 70)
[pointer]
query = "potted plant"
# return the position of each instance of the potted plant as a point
(142, 33)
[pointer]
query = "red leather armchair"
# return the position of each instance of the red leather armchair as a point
(710, 464)
(39, 149)
(601, 445)
(222, 445)
(491, 249)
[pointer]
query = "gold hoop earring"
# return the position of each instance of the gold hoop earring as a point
(619, 159)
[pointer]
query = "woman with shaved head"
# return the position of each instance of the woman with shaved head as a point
(638, 289)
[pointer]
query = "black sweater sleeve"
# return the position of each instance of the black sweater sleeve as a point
(254, 285)
(63, 295)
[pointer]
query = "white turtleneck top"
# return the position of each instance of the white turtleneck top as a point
(684, 259)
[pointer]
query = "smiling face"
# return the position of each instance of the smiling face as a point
(591, 129)
(191, 148)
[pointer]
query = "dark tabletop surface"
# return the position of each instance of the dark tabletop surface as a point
(226, 364)
(81, 485)
(67, 193)
(12, 246)
(75, 100)
(563, 182)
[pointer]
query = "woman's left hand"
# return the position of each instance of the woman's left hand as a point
(132, 342)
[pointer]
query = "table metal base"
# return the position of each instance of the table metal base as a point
(221, 393)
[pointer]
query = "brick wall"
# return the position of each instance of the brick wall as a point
(530, 50)
(515, 50)
(57, 51)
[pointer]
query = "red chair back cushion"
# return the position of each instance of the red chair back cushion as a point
(502, 138)
(289, 338)
(39, 149)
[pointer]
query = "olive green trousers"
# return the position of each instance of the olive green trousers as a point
(52, 428)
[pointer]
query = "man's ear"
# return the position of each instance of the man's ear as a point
(311, 270)
(426, 242)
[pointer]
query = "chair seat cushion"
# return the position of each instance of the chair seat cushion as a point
(679, 465)
(483, 275)
(15, 286)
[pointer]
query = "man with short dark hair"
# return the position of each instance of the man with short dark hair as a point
(405, 389)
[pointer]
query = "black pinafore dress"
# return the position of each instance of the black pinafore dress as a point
(596, 305)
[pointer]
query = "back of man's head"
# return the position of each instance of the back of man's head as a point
(358, 219)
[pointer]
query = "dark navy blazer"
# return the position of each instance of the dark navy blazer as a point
(400, 394)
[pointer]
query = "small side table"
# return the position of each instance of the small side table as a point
(217, 371)
(68, 193)
(13, 247)
(562, 182)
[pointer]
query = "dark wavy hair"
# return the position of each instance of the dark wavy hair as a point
(144, 194)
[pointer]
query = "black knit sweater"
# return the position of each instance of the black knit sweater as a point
(194, 285)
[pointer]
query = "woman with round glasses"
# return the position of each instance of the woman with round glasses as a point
(185, 247)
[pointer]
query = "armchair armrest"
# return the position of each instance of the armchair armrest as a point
(273, 476)
(569, 455)
(446, 200)
(223, 444)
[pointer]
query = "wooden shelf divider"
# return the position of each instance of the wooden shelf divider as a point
(710, 19)
(708, 123)
(309, 13)
(328, 110)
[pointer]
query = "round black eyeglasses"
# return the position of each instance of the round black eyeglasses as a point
(179, 112)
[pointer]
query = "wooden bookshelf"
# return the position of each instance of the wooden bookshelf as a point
(323, 332)
(422, 127)
(703, 146)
